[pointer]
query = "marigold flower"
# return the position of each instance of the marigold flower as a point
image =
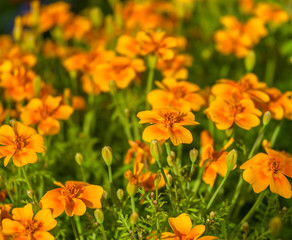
(269, 169)
(270, 12)
(140, 179)
(176, 67)
(141, 151)
(225, 113)
(4, 213)
(128, 46)
(280, 104)
(167, 123)
(183, 230)
(216, 160)
(181, 95)
(156, 43)
(25, 226)
(77, 27)
(21, 143)
(45, 113)
(73, 197)
(247, 87)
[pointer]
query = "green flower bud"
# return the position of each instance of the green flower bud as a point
(99, 216)
(120, 194)
(267, 117)
(79, 158)
(157, 180)
(107, 155)
(134, 218)
(231, 159)
(132, 189)
(275, 226)
(193, 155)
(155, 149)
(250, 61)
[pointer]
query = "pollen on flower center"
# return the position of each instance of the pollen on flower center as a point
(32, 226)
(20, 142)
(235, 109)
(274, 165)
(178, 92)
(170, 118)
(71, 191)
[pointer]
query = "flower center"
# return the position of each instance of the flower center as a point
(178, 92)
(71, 191)
(21, 142)
(32, 226)
(235, 109)
(245, 85)
(274, 165)
(170, 118)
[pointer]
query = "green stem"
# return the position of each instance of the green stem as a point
(82, 173)
(79, 227)
(110, 178)
(74, 229)
(151, 64)
(199, 179)
(252, 210)
(276, 133)
(257, 142)
(167, 146)
(133, 204)
(29, 185)
(217, 191)
(102, 231)
(126, 224)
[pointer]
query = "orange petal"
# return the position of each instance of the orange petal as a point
(10, 227)
(91, 196)
(209, 176)
(53, 200)
(23, 214)
(179, 134)
(247, 120)
(43, 235)
(23, 157)
(149, 117)
(280, 185)
(181, 225)
(196, 232)
(6, 135)
(156, 131)
(46, 219)
(63, 112)
(49, 126)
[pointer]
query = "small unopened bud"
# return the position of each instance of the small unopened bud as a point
(284, 209)
(134, 218)
(37, 84)
(155, 149)
(35, 9)
(104, 194)
(266, 118)
(17, 30)
(132, 189)
(155, 202)
(120, 194)
(231, 159)
(157, 180)
(170, 160)
(99, 216)
(112, 87)
(96, 16)
(245, 227)
(275, 225)
(79, 158)
(107, 155)
(250, 61)
(212, 214)
(169, 179)
(30, 193)
(152, 194)
(193, 155)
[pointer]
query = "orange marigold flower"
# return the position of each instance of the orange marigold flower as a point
(25, 226)
(77, 27)
(146, 180)
(128, 46)
(247, 87)
(156, 43)
(270, 12)
(141, 151)
(225, 113)
(122, 70)
(4, 213)
(167, 123)
(18, 84)
(215, 160)
(269, 169)
(73, 197)
(246, 5)
(176, 67)
(183, 230)
(280, 105)
(239, 38)
(21, 143)
(181, 95)
(45, 113)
